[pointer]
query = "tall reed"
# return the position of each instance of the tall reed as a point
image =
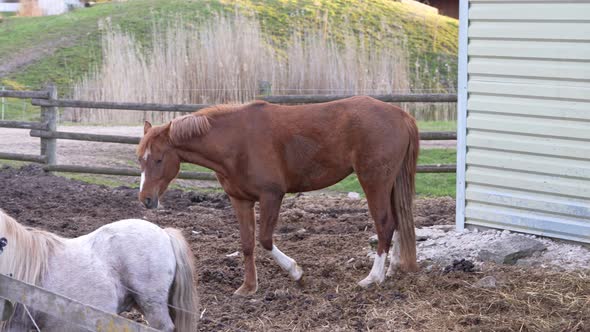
(225, 61)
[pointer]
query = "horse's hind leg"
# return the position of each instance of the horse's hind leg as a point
(156, 312)
(394, 254)
(378, 190)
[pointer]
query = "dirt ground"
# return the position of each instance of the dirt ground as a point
(328, 236)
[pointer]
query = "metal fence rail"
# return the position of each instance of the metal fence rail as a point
(47, 131)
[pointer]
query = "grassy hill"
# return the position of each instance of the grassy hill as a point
(61, 49)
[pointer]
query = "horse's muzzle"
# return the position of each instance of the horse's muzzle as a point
(151, 203)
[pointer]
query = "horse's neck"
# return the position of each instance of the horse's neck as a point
(207, 150)
(199, 156)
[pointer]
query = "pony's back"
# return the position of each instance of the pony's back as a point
(119, 265)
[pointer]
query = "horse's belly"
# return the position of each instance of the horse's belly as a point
(317, 178)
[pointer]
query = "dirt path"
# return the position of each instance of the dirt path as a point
(328, 236)
(19, 60)
(83, 153)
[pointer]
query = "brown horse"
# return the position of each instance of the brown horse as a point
(261, 151)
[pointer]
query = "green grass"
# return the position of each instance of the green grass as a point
(193, 168)
(442, 184)
(430, 185)
(430, 38)
(437, 125)
(101, 180)
(12, 163)
(427, 184)
(19, 110)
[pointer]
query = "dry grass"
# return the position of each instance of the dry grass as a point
(226, 60)
(220, 62)
(526, 299)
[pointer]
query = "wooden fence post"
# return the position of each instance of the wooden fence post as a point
(264, 88)
(69, 310)
(49, 116)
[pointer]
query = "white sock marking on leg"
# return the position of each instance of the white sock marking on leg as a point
(286, 263)
(394, 254)
(377, 273)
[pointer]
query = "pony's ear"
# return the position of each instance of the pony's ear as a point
(187, 127)
(146, 126)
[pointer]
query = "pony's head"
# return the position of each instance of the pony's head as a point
(24, 255)
(25, 251)
(158, 154)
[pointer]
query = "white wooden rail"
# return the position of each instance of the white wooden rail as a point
(69, 310)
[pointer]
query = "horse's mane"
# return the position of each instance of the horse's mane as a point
(186, 126)
(27, 252)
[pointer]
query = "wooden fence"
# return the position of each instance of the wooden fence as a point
(46, 129)
(71, 311)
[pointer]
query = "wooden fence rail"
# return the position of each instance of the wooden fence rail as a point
(23, 157)
(146, 107)
(24, 125)
(425, 136)
(47, 128)
(86, 137)
(69, 310)
(25, 94)
(398, 98)
(123, 171)
(287, 99)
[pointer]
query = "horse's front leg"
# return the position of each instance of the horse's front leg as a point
(247, 220)
(269, 214)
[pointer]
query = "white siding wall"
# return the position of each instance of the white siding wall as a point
(528, 117)
(9, 7)
(56, 7)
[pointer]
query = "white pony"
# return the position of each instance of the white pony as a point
(129, 263)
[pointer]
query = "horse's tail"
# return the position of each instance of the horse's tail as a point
(183, 298)
(403, 196)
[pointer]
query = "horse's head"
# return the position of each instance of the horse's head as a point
(158, 153)
(159, 162)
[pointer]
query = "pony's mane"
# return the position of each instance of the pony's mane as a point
(186, 126)
(27, 253)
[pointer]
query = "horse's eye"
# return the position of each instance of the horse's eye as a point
(159, 161)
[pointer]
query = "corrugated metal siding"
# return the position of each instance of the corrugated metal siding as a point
(528, 117)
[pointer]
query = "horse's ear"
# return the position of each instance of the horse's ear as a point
(188, 126)
(146, 126)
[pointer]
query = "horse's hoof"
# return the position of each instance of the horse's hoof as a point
(297, 274)
(245, 290)
(365, 283)
(300, 282)
(391, 271)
